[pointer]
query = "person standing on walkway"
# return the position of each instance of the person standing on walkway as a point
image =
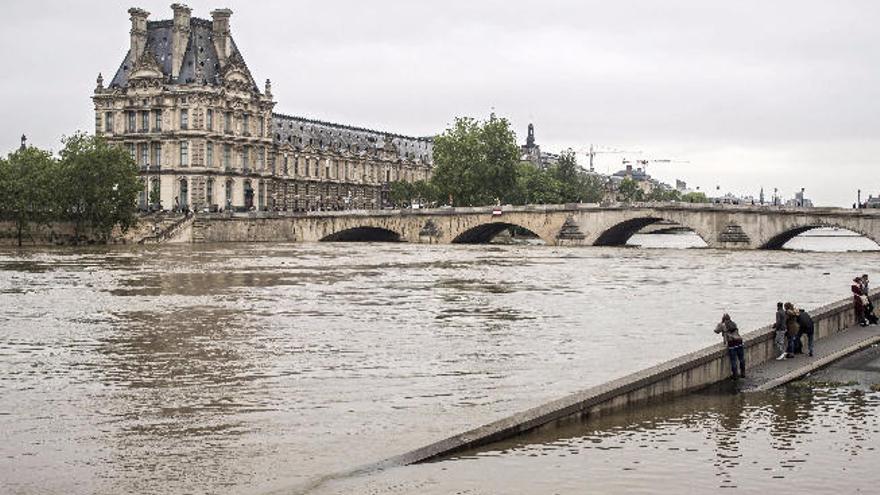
(730, 333)
(858, 302)
(869, 306)
(805, 322)
(791, 328)
(779, 326)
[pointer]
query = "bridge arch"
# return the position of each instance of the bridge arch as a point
(483, 233)
(779, 240)
(363, 233)
(619, 233)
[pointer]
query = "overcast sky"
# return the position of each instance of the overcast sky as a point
(781, 94)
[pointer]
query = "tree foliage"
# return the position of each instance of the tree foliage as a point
(629, 190)
(404, 194)
(27, 187)
(93, 184)
(664, 194)
(694, 197)
(476, 162)
(100, 185)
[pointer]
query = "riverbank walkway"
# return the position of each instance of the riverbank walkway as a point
(774, 373)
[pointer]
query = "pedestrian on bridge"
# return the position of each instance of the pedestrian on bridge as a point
(791, 328)
(730, 333)
(805, 322)
(859, 300)
(779, 326)
(869, 306)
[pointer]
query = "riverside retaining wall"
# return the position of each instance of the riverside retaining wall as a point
(678, 376)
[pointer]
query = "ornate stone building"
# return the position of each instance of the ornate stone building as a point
(531, 152)
(204, 135)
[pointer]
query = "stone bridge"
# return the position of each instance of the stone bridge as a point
(720, 226)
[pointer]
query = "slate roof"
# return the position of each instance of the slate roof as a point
(200, 65)
(300, 132)
(200, 62)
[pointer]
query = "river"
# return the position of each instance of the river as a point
(259, 368)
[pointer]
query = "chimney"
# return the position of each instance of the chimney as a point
(179, 37)
(222, 42)
(138, 32)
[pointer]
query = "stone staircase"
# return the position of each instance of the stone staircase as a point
(198, 229)
(167, 227)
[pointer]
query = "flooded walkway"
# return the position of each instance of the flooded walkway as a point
(828, 350)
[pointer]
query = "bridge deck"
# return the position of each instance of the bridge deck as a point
(828, 350)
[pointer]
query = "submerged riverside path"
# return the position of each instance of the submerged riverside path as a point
(829, 350)
(835, 338)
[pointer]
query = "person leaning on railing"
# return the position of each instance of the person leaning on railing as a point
(730, 333)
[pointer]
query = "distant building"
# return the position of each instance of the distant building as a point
(871, 202)
(799, 201)
(641, 178)
(531, 152)
(187, 108)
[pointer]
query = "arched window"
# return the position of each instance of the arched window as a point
(209, 192)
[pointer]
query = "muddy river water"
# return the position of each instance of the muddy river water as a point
(266, 368)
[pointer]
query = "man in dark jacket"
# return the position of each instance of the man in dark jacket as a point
(779, 326)
(734, 342)
(806, 328)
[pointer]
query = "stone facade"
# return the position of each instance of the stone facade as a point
(531, 151)
(185, 105)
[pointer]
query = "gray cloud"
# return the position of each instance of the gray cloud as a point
(781, 94)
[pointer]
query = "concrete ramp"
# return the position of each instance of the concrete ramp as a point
(835, 338)
(828, 350)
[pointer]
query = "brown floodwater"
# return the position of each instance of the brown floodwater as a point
(260, 368)
(792, 440)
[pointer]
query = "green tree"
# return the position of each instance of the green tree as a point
(98, 185)
(535, 186)
(664, 194)
(26, 189)
(694, 197)
(400, 193)
(425, 192)
(576, 185)
(592, 188)
(569, 176)
(476, 162)
(629, 190)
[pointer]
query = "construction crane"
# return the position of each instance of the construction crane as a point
(593, 151)
(644, 162)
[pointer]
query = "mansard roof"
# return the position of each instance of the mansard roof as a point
(200, 62)
(301, 132)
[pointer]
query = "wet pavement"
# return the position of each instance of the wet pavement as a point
(828, 350)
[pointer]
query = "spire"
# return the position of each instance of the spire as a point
(530, 139)
(100, 82)
(23, 142)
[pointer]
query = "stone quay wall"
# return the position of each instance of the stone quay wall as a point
(678, 376)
